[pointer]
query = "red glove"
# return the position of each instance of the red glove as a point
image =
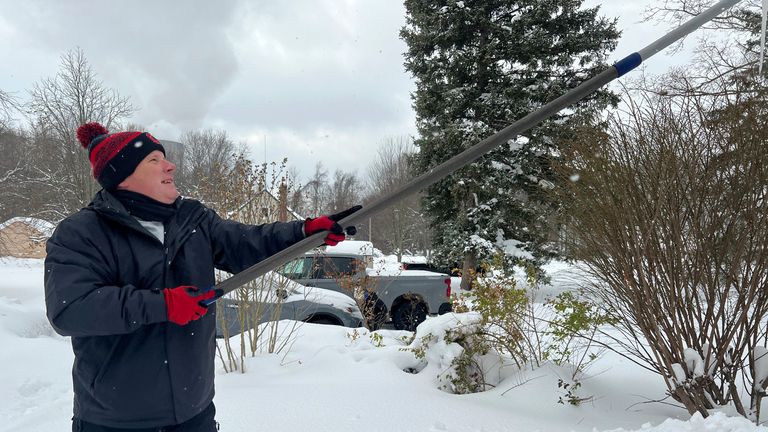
(330, 223)
(183, 306)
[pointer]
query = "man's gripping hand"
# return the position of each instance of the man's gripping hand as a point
(183, 305)
(330, 223)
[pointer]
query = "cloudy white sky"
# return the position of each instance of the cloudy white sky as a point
(310, 80)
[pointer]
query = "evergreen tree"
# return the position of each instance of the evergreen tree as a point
(480, 65)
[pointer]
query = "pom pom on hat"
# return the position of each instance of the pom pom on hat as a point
(88, 131)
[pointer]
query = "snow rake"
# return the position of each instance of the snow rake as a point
(469, 155)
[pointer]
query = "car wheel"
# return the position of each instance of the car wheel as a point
(409, 315)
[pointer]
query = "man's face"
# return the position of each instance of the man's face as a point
(153, 177)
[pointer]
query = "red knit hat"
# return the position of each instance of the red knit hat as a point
(115, 156)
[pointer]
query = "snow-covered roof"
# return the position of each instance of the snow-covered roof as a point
(46, 228)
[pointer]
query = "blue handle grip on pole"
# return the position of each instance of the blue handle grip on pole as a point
(207, 302)
(628, 63)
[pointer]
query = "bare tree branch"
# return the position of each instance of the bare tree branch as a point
(59, 105)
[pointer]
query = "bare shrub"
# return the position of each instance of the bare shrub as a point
(242, 192)
(669, 214)
(259, 307)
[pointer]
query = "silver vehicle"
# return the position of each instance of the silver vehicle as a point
(405, 297)
(273, 297)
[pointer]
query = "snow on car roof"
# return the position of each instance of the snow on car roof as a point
(353, 247)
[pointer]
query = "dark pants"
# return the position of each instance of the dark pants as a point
(203, 422)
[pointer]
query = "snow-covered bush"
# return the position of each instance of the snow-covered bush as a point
(503, 327)
(452, 348)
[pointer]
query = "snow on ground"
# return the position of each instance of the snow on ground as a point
(340, 379)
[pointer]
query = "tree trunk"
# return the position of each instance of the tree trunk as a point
(468, 270)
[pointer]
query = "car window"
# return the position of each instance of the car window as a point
(298, 268)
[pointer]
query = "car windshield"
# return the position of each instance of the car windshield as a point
(319, 267)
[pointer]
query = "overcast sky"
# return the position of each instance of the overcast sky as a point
(316, 80)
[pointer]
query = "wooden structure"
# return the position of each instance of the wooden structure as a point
(22, 237)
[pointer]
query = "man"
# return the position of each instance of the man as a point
(124, 278)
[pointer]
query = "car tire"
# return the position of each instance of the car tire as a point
(409, 315)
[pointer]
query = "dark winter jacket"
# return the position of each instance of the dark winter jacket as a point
(104, 275)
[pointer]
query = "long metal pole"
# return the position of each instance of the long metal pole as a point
(467, 156)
